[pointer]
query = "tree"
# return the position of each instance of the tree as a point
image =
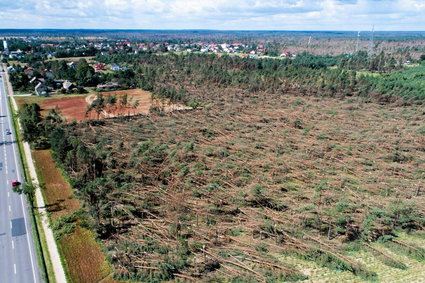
(111, 101)
(98, 105)
(124, 101)
(84, 73)
(27, 189)
(135, 105)
(59, 143)
(30, 117)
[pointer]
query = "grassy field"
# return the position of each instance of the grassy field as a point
(83, 256)
(316, 273)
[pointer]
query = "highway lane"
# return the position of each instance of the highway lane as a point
(18, 259)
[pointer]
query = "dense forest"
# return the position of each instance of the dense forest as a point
(307, 74)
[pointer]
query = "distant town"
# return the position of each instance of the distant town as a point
(25, 54)
(32, 47)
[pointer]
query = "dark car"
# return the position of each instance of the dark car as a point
(15, 183)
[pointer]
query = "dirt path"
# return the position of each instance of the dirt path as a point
(50, 239)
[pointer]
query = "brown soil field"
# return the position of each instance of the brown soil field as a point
(73, 107)
(143, 97)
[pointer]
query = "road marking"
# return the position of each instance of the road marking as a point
(14, 268)
(13, 244)
(8, 194)
(22, 197)
(10, 224)
(10, 209)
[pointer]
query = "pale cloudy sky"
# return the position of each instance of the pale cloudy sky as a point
(215, 14)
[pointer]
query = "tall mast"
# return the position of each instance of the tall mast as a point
(358, 42)
(371, 41)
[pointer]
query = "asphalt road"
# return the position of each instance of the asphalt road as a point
(18, 258)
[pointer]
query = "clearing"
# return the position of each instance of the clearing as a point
(228, 190)
(73, 107)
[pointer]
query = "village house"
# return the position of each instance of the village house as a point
(115, 67)
(67, 85)
(41, 89)
(72, 64)
(107, 86)
(48, 74)
(29, 71)
(99, 67)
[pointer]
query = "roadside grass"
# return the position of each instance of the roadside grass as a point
(82, 256)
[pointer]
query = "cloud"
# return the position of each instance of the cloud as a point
(214, 14)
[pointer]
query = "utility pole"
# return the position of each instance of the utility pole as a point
(358, 42)
(370, 51)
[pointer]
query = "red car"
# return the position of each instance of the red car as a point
(15, 183)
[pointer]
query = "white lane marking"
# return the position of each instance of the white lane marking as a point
(13, 244)
(22, 199)
(10, 209)
(8, 193)
(14, 267)
(10, 224)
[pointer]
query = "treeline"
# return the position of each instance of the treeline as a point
(380, 63)
(64, 53)
(37, 129)
(308, 74)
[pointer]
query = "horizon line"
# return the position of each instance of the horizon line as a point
(194, 29)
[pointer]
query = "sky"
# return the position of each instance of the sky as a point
(403, 15)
